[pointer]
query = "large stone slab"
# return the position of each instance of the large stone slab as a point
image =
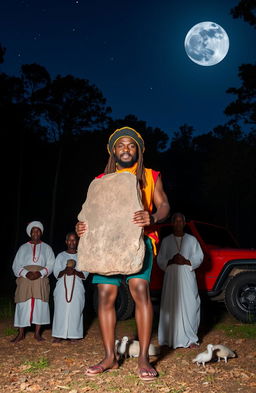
(113, 244)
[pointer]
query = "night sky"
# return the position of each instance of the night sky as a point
(133, 51)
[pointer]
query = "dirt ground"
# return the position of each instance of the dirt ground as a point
(31, 366)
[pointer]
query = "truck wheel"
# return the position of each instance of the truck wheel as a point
(124, 302)
(240, 297)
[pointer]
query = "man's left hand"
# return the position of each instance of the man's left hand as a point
(37, 275)
(33, 275)
(141, 218)
(79, 274)
(180, 260)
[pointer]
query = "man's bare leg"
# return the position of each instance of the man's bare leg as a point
(144, 318)
(37, 334)
(107, 294)
(20, 336)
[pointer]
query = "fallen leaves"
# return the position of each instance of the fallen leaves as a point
(30, 388)
(64, 372)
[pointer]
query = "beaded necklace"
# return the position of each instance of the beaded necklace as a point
(66, 290)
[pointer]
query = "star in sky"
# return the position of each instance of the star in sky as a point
(162, 86)
(36, 36)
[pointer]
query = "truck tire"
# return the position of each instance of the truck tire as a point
(240, 297)
(124, 302)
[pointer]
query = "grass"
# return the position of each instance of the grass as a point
(36, 365)
(179, 355)
(209, 378)
(129, 323)
(132, 377)
(7, 307)
(10, 331)
(178, 390)
(93, 385)
(238, 331)
(113, 388)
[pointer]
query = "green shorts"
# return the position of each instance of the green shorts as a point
(144, 273)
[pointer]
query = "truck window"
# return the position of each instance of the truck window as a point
(166, 230)
(216, 236)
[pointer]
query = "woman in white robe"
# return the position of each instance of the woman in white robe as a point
(179, 255)
(69, 294)
(38, 255)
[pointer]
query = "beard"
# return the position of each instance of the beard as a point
(126, 164)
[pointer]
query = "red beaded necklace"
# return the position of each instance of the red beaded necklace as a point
(66, 290)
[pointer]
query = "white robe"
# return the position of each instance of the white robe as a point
(33, 310)
(180, 302)
(68, 317)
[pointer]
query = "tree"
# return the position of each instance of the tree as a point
(225, 177)
(19, 141)
(34, 77)
(243, 112)
(67, 107)
(244, 107)
(245, 9)
(41, 119)
(2, 53)
(181, 167)
(182, 140)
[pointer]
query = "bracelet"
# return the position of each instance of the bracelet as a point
(152, 219)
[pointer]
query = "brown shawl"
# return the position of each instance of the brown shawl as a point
(26, 289)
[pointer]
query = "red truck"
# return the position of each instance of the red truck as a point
(228, 272)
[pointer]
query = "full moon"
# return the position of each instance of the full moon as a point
(206, 43)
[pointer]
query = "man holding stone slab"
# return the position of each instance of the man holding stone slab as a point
(126, 148)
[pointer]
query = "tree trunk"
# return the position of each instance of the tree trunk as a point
(54, 193)
(19, 190)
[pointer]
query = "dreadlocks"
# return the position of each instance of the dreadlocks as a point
(111, 165)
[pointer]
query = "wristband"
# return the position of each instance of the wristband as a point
(152, 219)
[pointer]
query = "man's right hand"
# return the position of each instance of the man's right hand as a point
(70, 271)
(33, 275)
(80, 228)
(178, 259)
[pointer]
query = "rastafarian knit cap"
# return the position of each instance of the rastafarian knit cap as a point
(125, 131)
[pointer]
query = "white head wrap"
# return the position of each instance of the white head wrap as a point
(36, 224)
